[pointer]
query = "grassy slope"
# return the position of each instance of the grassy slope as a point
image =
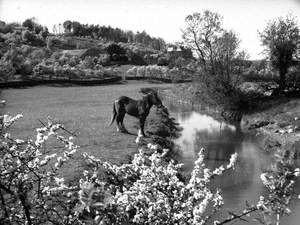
(86, 110)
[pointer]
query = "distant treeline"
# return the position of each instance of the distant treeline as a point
(113, 34)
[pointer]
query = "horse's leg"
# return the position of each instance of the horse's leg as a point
(120, 118)
(142, 123)
(119, 122)
(122, 123)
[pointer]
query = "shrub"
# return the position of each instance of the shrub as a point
(293, 79)
(42, 69)
(163, 61)
(27, 36)
(104, 59)
(26, 68)
(31, 192)
(6, 70)
(132, 72)
(73, 61)
(87, 63)
(115, 51)
(175, 75)
(7, 28)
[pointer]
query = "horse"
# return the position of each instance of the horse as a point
(137, 108)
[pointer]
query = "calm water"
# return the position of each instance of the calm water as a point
(220, 140)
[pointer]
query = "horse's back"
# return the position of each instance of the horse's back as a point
(129, 105)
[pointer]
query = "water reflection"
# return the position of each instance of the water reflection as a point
(220, 140)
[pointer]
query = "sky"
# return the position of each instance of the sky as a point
(159, 18)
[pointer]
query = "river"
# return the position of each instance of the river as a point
(220, 140)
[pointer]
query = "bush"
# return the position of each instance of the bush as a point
(33, 39)
(7, 28)
(6, 70)
(87, 63)
(293, 80)
(115, 51)
(73, 61)
(29, 189)
(104, 59)
(42, 69)
(136, 59)
(163, 61)
(26, 68)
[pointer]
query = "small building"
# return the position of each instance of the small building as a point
(176, 50)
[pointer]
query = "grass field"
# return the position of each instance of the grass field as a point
(83, 110)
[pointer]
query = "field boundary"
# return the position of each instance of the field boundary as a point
(24, 83)
(166, 80)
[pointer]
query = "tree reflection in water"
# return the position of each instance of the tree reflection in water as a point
(220, 140)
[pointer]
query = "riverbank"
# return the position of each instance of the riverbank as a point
(278, 126)
(275, 120)
(36, 82)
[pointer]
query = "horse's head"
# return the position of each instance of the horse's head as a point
(155, 100)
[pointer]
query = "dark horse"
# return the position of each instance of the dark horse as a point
(137, 108)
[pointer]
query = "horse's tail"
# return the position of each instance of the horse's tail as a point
(113, 117)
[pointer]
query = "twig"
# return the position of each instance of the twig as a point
(64, 129)
(235, 216)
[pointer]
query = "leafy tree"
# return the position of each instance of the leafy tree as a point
(280, 39)
(28, 36)
(217, 49)
(201, 33)
(76, 28)
(44, 33)
(38, 28)
(67, 25)
(29, 23)
(115, 50)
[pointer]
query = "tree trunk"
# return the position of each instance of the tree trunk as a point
(26, 207)
(282, 73)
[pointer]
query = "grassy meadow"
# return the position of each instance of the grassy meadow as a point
(85, 111)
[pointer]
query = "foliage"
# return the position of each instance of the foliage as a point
(154, 71)
(115, 51)
(219, 58)
(150, 191)
(67, 25)
(30, 187)
(6, 70)
(108, 33)
(202, 30)
(6, 28)
(29, 23)
(163, 61)
(280, 39)
(52, 42)
(280, 183)
(33, 39)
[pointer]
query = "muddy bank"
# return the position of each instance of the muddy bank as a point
(278, 127)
